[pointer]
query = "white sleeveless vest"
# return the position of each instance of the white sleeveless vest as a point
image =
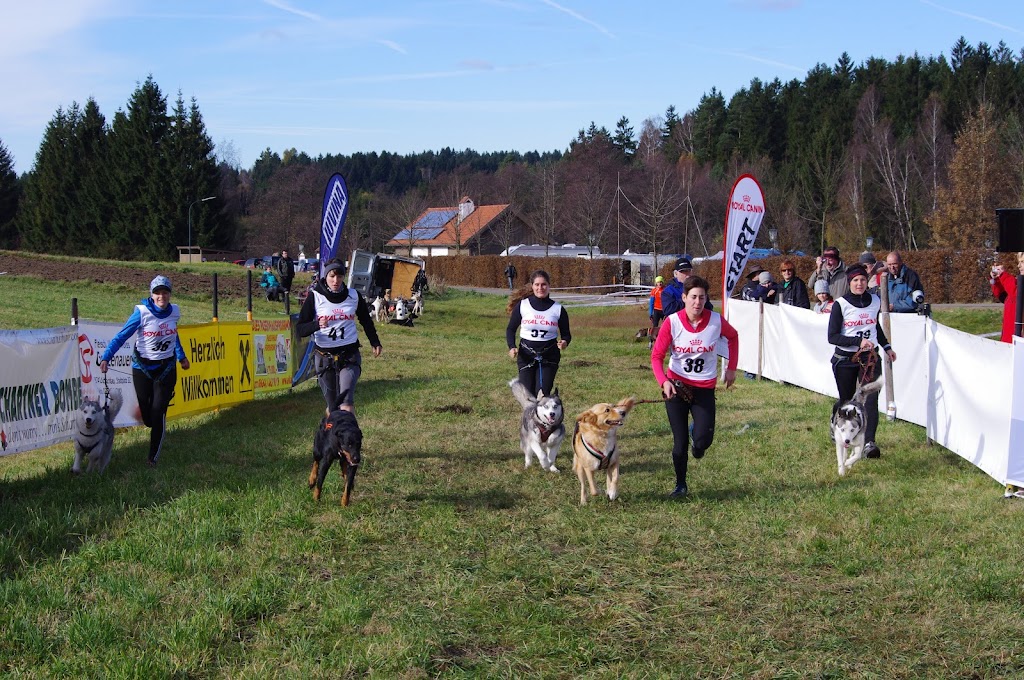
(156, 338)
(341, 320)
(538, 326)
(860, 322)
(693, 355)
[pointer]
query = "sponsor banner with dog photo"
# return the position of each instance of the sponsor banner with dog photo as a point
(272, 340)
(93, 338)
(40, 389)
(222, 358)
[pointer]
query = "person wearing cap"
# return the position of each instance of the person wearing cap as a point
(830, 268)
(793, 290)
(873, 268)
(905, 289)
(853, 328)
(689, 338)
(766, 290)
(543, 326)
(672, 294)
(157, 352)
(824, 298)
(329, 314)
(753, 280)
(654, 309)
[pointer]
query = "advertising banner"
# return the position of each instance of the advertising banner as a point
(40, 389)
(272, 340)
(335, 210)
(742, 222)
(222, 358)
(93, 338)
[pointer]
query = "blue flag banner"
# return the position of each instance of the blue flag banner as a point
(334, 213)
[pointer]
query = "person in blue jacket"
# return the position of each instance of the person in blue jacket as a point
(158, 349)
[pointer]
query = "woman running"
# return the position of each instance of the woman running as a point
(543, 326)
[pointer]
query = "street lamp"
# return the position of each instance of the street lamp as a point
(869, 241)
(773, 235)
(201, 200)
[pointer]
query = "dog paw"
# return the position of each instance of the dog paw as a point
(842, 470)
(553, 469)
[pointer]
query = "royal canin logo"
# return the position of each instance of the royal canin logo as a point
(696, 341)
(865, 316)
(746, 199)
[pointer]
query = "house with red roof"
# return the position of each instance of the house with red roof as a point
(465, 229)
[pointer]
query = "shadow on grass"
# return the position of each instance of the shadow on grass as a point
(55, 512)
(491, 499)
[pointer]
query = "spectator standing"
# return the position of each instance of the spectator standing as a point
(672, 294)
(654, 309)
(286, 268)
(904, 285)
(793, 290)
(853, 327)
(510, 274)
(766, 291)
(329, 314)
(1004, 288)
(157, 346)
(689, 338)
(830, 268)
(874, 269)
(753, 280)
(823, 297)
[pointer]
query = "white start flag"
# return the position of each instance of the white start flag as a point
(742, 222)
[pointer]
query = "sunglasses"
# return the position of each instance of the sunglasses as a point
(788, 271)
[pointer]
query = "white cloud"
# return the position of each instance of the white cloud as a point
(579, 17)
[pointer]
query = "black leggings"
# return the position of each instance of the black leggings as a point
(847, 374)
(154, 397)
(531, 367)
(703, 411)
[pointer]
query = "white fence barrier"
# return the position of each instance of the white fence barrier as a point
(967, 391)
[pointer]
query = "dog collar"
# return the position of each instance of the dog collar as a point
(88, 450)
(545, 433)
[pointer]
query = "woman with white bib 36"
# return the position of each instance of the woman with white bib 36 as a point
(690, 339)
(853, 328)
(329, 314)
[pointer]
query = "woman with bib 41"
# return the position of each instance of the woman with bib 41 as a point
(853, 328)
(329, 314)
(543, 327)
(690, 339)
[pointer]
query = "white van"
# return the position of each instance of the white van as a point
(373, 273)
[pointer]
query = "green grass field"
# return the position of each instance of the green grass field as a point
(454, 561)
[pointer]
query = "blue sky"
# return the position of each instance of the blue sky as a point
(407, 76)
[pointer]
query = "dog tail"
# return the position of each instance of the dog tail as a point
(114, 404)
(524, 398)
(863, 390)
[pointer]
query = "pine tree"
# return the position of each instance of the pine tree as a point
(9, 194)
(143, 222)
(623, 139)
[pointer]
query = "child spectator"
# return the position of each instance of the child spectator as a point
(821, 292)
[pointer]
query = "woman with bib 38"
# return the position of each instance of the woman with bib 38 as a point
(690, 339)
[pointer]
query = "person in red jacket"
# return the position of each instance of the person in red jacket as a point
(1004, 288)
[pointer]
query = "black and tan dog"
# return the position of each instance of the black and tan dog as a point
(338, 437)
(595, 446)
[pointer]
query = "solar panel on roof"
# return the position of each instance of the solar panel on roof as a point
(435, 218)
(418, 234)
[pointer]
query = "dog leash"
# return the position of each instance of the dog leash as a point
(867, 365)
(106, 396)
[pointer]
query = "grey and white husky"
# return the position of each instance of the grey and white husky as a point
(541, 430)
(94, 433)
(848, 425)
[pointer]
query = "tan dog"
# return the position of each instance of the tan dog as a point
(594, 446)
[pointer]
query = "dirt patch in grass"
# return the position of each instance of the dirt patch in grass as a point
(461, 409)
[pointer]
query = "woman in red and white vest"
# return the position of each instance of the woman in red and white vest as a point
(543, 327)
(690, 338)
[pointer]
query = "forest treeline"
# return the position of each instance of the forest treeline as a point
(917, 152)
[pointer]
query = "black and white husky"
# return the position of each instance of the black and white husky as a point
(541, 430)
(94, 433)
(848, 425)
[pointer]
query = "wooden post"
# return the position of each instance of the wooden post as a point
(883, 317)
(760, 336)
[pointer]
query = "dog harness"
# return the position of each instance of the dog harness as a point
(605, 458)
